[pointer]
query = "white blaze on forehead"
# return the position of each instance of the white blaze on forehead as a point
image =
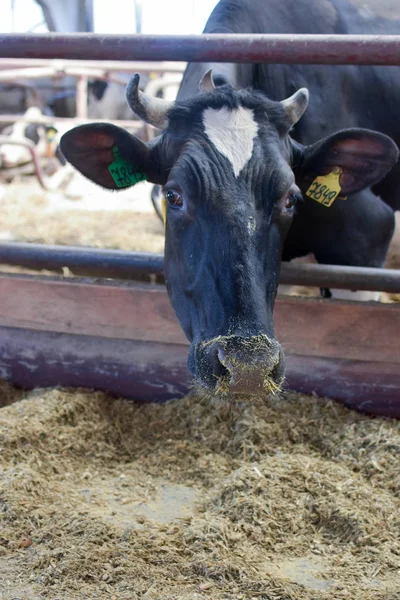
(232, 132)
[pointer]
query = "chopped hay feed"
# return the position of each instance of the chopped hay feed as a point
(29, 214)
(297, 499)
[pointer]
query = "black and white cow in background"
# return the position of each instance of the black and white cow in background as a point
(43, 137)
(244, 178)
(107, 101)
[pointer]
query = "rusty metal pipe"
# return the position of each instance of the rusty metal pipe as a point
(260, 48)
(132, 265)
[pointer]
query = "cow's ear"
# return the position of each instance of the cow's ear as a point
(363, 156)
(110, 156)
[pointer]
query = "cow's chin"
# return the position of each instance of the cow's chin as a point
(221, 395)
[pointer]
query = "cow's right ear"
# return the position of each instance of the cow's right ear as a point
(110, 156)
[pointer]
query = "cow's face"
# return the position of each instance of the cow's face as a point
(228, 167)
(230, 195)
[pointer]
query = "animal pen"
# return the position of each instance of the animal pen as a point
(113, 329)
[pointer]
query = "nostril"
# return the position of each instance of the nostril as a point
(277, 373)
(216, 355)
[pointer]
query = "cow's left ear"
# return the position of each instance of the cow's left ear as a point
(110, 156)
(363, 156)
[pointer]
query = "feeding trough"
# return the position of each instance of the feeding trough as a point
(123, 336)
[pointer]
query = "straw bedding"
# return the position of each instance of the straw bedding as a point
(29, 214)
(297, 499)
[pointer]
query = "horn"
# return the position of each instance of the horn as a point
(296, 105)
(149, 109)
(207, 84)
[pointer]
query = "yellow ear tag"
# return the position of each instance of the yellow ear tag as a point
(164, 210)
(326, 188)
(51, 133)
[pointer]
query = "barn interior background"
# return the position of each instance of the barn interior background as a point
(87, 91)
(297, 499)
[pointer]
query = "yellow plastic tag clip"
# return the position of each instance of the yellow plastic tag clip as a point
(164, 210)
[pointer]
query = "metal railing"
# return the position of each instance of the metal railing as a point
(250, 48)
(280, 49)
(96, 262)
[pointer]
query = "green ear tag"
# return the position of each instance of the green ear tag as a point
(123, 172)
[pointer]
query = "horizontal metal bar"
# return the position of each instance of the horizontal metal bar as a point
(106, 65)
(9, 75)
(134, 265)
(92, 262)
(251, 48)
(341, 277)
(49, 120)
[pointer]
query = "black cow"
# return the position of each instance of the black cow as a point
(235, 170)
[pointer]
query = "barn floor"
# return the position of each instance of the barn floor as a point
(298, 499)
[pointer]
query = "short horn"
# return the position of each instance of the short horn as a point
(296, 105)
(149, 109)
(207, 84)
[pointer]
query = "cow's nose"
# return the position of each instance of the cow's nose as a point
(253, 366)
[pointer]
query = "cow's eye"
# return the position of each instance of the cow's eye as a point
(291, 200)
(173, 198)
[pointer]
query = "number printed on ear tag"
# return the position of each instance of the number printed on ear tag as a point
(325, 188)
(123, 172)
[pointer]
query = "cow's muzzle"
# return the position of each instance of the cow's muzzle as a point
(240, 365)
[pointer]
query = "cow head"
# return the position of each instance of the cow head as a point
(228, 167)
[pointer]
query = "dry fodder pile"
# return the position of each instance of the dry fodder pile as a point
(101, 498)
(25, 217)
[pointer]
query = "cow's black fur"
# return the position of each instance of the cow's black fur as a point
(340, 97)
(224, 243)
